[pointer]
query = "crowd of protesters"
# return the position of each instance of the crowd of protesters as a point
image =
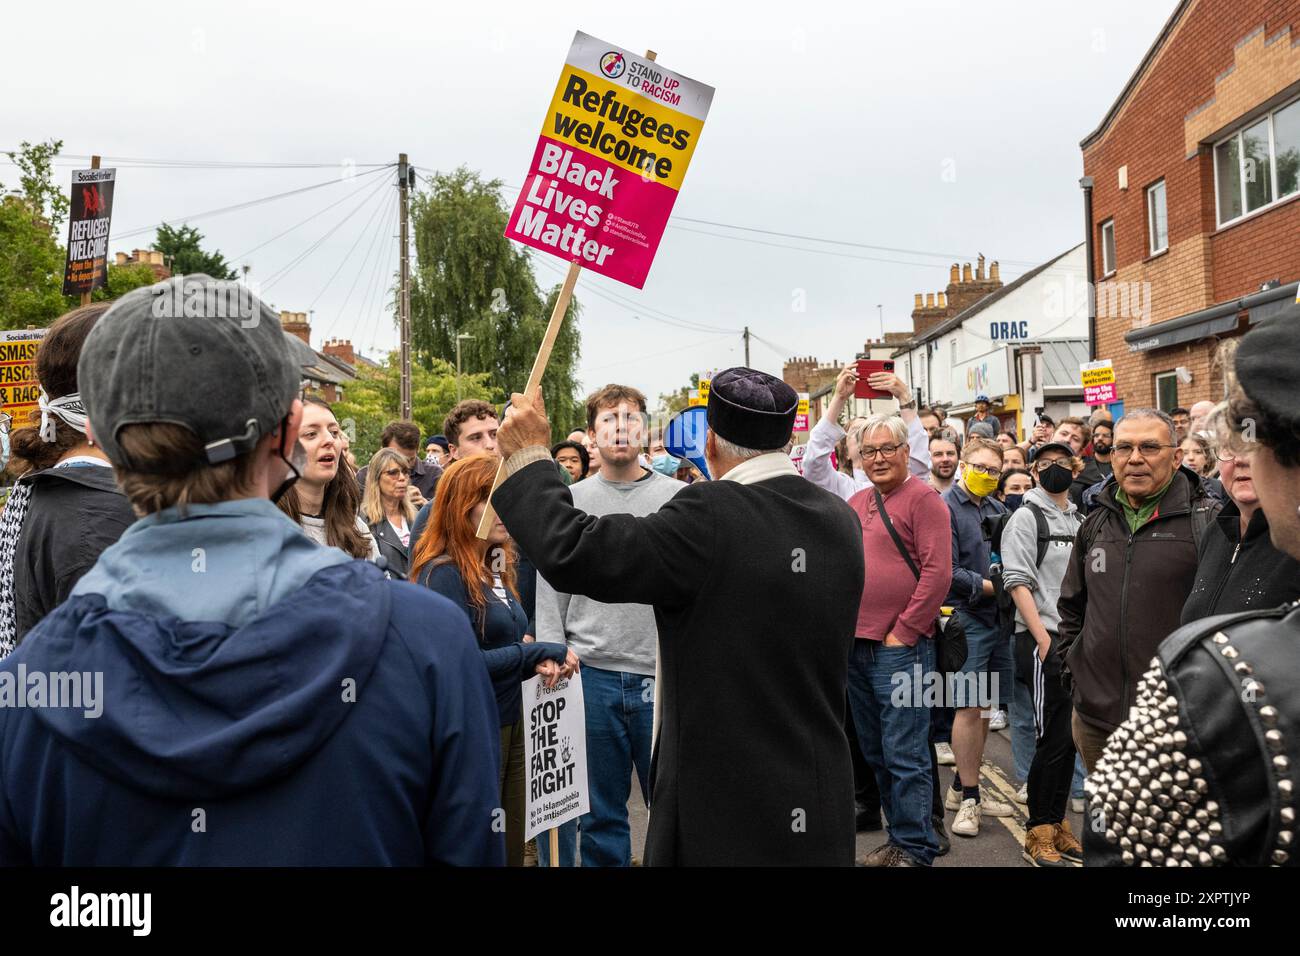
(323, 660)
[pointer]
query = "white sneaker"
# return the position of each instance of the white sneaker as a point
(1022, 795)
(990, 805)
(944, 753)
(998, 721)
(967, 823)
(1077, 804)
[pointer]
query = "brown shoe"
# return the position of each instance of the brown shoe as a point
(1066, 844)
(1040, 849)
(877, 857)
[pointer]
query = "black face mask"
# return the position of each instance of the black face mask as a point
(1055, 478)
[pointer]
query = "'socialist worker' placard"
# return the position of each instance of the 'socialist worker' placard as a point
(90, 212)
(555, 752)
(19, 388)
(611, 158)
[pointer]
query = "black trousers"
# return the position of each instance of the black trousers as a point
(1052, 771)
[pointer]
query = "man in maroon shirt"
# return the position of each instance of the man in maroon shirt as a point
(893, 663)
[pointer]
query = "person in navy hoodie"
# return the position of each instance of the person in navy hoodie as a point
(247, 697)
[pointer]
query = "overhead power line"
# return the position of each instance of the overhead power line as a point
(243, 205)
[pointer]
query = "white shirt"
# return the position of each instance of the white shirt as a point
(827, 433)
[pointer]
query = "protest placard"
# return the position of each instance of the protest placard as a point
(612, 154)
(555, 753)
(610, 161)
(18, 385)
(1098, 380)
(801, 413)
(90, 212)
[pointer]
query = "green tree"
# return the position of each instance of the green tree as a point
(673, 402)
(31, 258)
(36, 178)
(470, 279)
(373, 400)
(31, 268)
(185, 255)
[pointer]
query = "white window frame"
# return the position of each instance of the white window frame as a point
(1107, 268)
(1151, 216)
(1158, 377)
(1241, 169)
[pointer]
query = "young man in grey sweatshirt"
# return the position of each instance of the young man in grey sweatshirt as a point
(617, 643)
(1033, 567)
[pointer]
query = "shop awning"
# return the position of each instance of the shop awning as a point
(1215, 320)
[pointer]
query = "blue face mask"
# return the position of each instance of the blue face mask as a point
(1014, 501)
(666, 464)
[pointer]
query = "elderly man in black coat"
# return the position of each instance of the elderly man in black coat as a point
(755, 579)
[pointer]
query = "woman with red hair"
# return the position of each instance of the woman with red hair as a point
(478, 576)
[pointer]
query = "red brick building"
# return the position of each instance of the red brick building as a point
(1195, 223)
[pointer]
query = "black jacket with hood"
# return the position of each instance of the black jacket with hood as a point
(75, 512)
(1241, 574)
(1124, 592)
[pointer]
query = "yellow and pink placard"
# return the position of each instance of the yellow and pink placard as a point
(613, 152)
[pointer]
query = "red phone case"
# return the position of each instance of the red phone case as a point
(868, 367)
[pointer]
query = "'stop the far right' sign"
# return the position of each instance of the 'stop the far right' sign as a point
(613, 152)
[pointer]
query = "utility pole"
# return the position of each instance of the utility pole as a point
(404, 294)
(747, 346)
(881, 310)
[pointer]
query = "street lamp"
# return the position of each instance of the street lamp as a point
(458, 338)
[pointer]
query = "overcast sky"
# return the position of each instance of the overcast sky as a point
(942, 128)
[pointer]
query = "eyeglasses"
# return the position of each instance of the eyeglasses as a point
(869, 452)
(1042, 464)
(1149, 449)
(394, 472)
(984, 470)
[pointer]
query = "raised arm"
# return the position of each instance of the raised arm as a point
(615, 558)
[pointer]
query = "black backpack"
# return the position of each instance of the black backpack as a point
(993, 526)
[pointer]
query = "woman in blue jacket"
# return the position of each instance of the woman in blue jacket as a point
(478, 575)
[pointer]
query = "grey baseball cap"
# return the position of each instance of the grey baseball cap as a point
(193, 351)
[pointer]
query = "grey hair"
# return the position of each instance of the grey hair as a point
(730, 449)
(897, 427)
(1150, 413)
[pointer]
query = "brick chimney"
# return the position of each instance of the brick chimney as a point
(927, 314)
(962, 295)
(295, 323)
(341, 349)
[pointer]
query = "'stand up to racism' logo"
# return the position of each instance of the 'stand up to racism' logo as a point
(612, 65)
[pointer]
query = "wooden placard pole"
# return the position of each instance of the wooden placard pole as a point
(85, 296)
(530, 391)
(535, 378)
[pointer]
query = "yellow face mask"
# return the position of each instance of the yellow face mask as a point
(977, 484)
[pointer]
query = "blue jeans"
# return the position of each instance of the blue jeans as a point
(1024, 738)
(894, 732)
(620, 725)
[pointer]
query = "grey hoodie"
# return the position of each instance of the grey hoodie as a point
(1020, 552)
(615, 637)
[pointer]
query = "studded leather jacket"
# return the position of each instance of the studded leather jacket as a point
(1202, 773)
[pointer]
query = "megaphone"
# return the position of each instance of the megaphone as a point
(684, 437)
